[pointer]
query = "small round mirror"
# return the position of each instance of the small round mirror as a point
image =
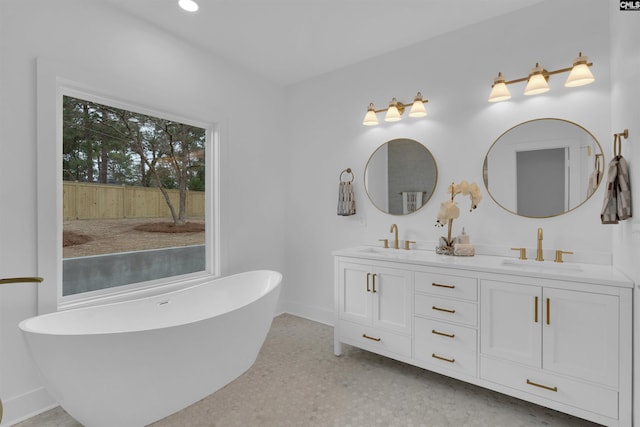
(543, 168)
(400, 176)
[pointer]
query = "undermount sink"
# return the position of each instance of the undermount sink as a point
(411, 254)
(390, 252)
(540, 265)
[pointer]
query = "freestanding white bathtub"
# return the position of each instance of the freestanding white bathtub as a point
(132, 363)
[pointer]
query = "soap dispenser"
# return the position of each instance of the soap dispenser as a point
(463, 247)
(464, 237)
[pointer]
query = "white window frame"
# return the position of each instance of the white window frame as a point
(50, 91)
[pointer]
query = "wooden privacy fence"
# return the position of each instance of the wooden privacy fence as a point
(82, 200)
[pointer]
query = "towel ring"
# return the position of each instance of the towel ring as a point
(599, 157)
(617, 142)
(347, 170)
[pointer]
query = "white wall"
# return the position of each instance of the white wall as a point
(296, 194)
(454, 72)
(132, 61)
(625, 111)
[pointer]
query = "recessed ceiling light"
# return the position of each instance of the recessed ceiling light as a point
(188, 5)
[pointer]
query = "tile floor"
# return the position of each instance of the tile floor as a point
(298, 382)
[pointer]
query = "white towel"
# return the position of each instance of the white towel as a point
(411, 201)
(346, 199)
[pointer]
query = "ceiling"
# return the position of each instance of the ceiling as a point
(288, 41)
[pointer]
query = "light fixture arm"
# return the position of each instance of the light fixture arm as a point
(401, 107)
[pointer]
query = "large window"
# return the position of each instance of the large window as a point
(127, 196)
(133, 197)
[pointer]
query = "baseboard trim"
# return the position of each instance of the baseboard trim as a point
(27, 405)
(308, 312)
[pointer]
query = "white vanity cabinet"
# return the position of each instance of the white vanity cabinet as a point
(554, 343)
(558, 336)
(374, 307)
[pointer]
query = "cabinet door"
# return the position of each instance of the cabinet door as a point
(511, 316)
(581, 334)
(392, 299)
(355, 293)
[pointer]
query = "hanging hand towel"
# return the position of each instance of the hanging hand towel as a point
(346, 199)
(411, 201)
(617, 201)
(594, 180)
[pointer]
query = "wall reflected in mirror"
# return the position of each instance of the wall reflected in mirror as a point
(400, 176)
(543, 168)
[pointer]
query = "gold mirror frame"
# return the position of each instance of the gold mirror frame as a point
(427, 192)
(596, 158)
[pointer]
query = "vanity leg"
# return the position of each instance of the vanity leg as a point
(337, 347)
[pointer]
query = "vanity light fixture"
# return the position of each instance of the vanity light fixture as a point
(395, 110)
(537, 80)
(188, 5)
(499, 90)
(580, 74)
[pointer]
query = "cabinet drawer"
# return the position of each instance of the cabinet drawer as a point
(448, 286)
(571, 392)
(447, 309)
(445, 345)
(377, 341)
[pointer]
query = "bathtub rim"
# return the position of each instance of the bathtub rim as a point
(26, 329)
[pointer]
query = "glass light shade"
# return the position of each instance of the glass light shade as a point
(393, 115)
(537, 83)
(580, 75)
(499, 92)
(417, 109)
(370, 119)
(188, 5)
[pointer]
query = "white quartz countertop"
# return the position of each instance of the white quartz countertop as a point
(577, 272)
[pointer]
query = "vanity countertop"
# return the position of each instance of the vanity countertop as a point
(575, 272)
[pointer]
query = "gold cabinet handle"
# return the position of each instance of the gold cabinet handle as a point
(535, 315)
(440, 285)
(444, 334)
(435, 356)
(368, 275)
(374, 284)
(21, 280)
(548, 312)
(371, 338)
(446, 310)
(546, 387)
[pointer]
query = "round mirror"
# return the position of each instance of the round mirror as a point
(400, 176)
(543, 168)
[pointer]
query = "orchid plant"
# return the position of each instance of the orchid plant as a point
(449, 209)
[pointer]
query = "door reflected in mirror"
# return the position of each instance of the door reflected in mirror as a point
(543, 168)
(400, 176)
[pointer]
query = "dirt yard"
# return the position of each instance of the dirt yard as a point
(119, 235)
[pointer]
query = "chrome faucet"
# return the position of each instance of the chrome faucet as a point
(539, 251)
(396, 243)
